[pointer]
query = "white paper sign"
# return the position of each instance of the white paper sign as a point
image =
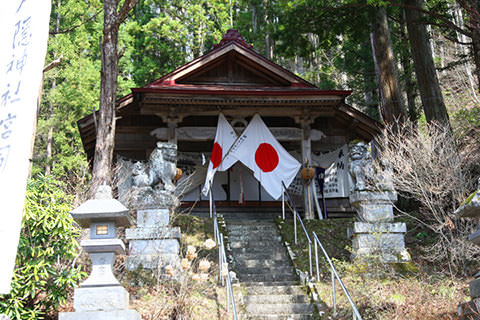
(24, 36)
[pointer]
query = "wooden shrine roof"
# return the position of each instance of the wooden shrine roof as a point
(237, 80)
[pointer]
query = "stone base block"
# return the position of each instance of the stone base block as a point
(373, 206)
(100, 315)
(153, 218)
(389, 246)
(100, 299)
(153, 233)
(363, 227)
(369, 212)
(152, 262)
(154, 247)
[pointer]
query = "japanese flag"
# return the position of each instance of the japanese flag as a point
(271, 164)
(224, 138)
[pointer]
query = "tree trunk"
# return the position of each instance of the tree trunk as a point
(410, 87)
(393, 107)
(476, 52)
(102, 165)
(430, 93)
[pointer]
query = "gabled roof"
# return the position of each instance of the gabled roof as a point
(233, 67)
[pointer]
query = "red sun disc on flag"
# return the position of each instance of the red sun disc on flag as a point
(216, 157)
(266, 157)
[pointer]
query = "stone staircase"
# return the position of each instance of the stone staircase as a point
(271, 287)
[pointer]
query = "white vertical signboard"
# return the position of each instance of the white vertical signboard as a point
(24, 36)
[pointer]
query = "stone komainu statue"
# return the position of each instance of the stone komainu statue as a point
(160, 170)
(363, 173)
(163, 166)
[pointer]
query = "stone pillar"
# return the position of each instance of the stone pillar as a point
(376, 235)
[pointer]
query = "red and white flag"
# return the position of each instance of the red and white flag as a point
(224, 138)
(271, 164)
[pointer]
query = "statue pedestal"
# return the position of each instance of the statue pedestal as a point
(376, 235)
(152, 244)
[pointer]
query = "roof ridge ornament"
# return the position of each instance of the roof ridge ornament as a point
(230, 36)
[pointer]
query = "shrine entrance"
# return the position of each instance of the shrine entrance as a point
(183, 106)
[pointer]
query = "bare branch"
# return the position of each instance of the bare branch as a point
(122, 14)
(53, 64)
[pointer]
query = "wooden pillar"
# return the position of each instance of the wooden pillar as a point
(172, 123)
(307, 156)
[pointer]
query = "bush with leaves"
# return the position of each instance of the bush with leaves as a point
(45, 270)
(432, 168)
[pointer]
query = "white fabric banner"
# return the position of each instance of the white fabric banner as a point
(224, 138)
(24, 37)
(336, 175)
(271, 164)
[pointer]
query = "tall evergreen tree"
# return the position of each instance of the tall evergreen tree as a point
(430, 92)
(112, 18)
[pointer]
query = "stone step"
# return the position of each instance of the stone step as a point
(279, 317)
(258, 229)
(255, 284)
(274, 289)
(263, 251)
(240, 256)
(285, 269)
(270, 277)
(276, 298)
(254, 238)
(248, 228)
(257, 263)
(255, 244)
(279, 308)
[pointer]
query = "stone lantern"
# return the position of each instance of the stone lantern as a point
(471, 209)
(101, 296)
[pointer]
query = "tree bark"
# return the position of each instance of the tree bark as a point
(430, 92)
(393, 108)
(105, 140)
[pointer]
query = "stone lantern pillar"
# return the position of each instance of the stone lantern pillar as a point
(471, 209)
(101, 297)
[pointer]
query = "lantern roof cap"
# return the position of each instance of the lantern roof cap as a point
(103, 208)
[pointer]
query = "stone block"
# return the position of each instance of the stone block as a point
(153, 233)
(475, 288)
(152, 262)
(380, 197)
(153, 218)
(390, 246)
(364, 227)
(374, 212)
(108, 298)
(155, 247)
(100, 315)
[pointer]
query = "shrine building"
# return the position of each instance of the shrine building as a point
(183, 107)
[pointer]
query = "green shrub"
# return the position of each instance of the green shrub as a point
(45, 268)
